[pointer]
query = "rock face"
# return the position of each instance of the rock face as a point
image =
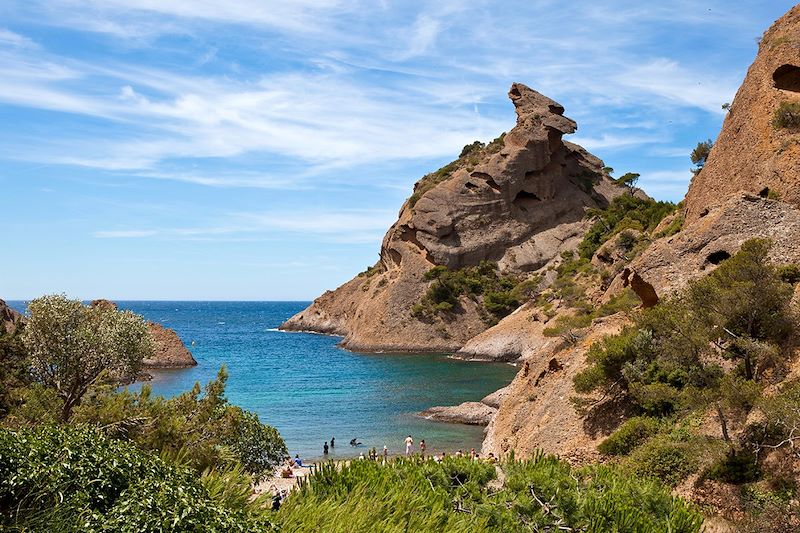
(751, 154)
(8, 318)
(537, 414)
(670, 263)
(728, 203)
(473, 413)
(519, 204)
(168, 349)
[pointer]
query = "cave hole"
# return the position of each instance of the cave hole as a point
(764, 192)
(524, 200)
(718, 257)
(787, 78)
(470, 186)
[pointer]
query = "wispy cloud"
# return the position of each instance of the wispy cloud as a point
(343, 226)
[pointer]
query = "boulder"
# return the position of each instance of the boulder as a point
(168, 350)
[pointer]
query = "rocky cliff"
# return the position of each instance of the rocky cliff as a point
(750, 187)
(758, 149)
(518, 202)
(8, 318)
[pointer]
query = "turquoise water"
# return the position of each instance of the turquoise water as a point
(310, 389)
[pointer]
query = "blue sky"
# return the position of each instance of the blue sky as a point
(246, 149)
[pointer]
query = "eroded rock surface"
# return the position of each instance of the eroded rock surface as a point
(519, 205)
(473, 413)
(670, 263)
(751, 154)
(9, 318)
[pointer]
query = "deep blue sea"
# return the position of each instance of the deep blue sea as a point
(311, 390)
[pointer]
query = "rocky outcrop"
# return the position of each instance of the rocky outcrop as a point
(518, 202)
(9, 318)
(473, 413)
(168, 349)
(749, 188)
(751, 154)
(670, 263)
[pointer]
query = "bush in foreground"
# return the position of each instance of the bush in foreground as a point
(540, 494)
(77, 479)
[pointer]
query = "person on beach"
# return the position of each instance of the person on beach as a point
(459, 453)
(422, 448)
(361, 456)
(409, 444)
(298, 461)
(472, 454)
(325, 449)
(333, 439)
(385, 453)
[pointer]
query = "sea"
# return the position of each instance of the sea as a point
(310, 389)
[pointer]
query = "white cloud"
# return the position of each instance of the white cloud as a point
(342, 226)
(9, 38)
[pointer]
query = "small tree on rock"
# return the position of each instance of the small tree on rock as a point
(73, 347)
(629, 180)
(700, 154)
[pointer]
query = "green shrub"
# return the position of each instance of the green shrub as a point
(77, 479)
(789, 273)
(736, 468)
(625, 212)
(675, 225)
(787, 115)
(498, 295)
(670, 462)
(700, 154)
(203, 429)
(629, 435)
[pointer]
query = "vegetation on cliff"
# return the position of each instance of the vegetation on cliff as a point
(470, 156)
(496, 293)
(626, 212)
(715, 353)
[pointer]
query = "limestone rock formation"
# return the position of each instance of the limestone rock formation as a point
(751, 154)
(168, 349)
(9, 318)
(519, 201)
(473, 413)
(731, 200)
(670, 263)
(537, 414)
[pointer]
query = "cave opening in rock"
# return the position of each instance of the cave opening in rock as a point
(764, 193)
(525, 200)
(787, 78)
(718, 257)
